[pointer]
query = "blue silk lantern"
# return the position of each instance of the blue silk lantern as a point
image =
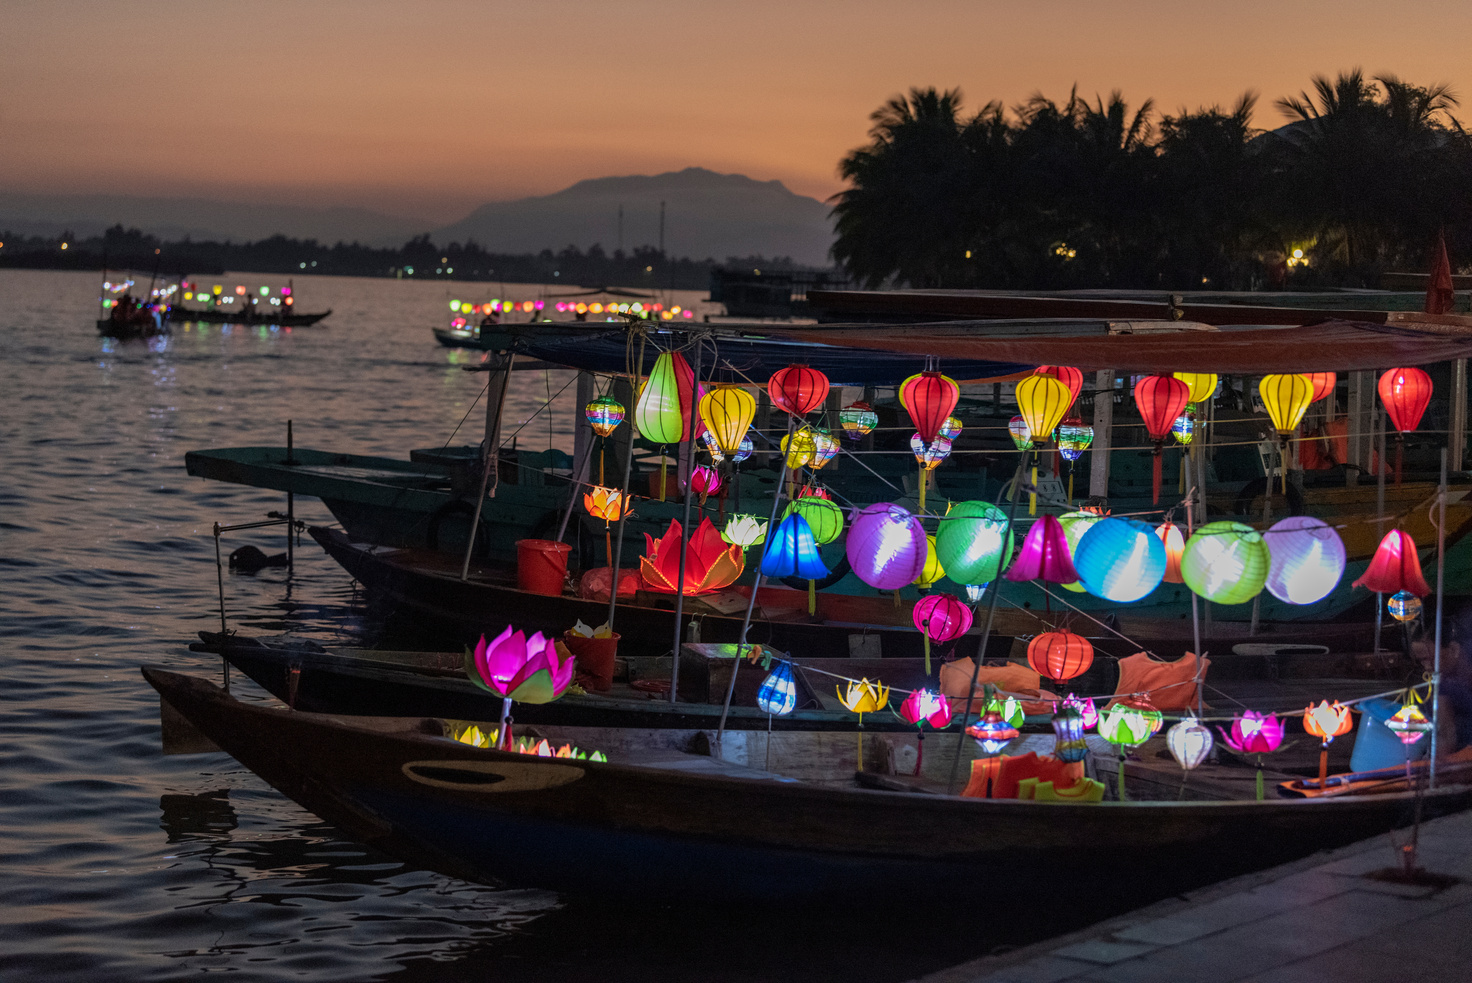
(778, 694)
(792, 551)
(1068, 731)
(886, 546)
(744, 450)
(1120, 560)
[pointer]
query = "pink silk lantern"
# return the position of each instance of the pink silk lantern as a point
(941, 618)
(1395, 567)
(1044, 555)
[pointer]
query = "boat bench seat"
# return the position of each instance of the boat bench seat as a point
(696, 764)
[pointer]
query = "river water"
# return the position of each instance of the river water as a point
(118, 863)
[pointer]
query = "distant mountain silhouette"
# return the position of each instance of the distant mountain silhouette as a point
(706, 215)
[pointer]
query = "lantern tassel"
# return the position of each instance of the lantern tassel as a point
(1155, 477)
(1283, 463)
(1032, 496)
(1123, 795)
(812, 597)
(1259, 784)
(926, 636)
(1070, 484)
(860, 735)
(1323, 765)
(664, 470)
(919, 749)
(922, 488)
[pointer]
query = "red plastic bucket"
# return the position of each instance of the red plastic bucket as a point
(594, 656)
(541, 565)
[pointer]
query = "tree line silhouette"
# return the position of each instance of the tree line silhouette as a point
(1359, 180)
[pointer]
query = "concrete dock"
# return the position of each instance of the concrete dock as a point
(1318, 919)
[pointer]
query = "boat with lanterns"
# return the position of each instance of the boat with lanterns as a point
(470, 320)
(240, 305)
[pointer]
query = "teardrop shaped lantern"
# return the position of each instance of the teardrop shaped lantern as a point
(1175, 545)
(1073, 438)
(1324, 383)
(727, 411)
(1160, 399)
(1189, 743)
(1044, 554)
(1060, 655)
(657, 410)
(604, 414)
(1286, 398)
(1200, 385)
(778, 694)
(930, 399)
(974, 542)
(1043, 402)
(797, 389)
(1406, 394)
(1066, 374)
(792, 551)
(1307, 559)
(1395, 567)
(952, 428)
(1020, 434)
(885, 546)
(825, 449)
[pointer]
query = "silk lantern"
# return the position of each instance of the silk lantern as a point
(930, 398)
(728, 411)
(1199, 385)
(863, 697)
(822, 516)
(1395, 567)
(604, 414)
(1043, 401)
(1306, 559)
(793, 552)
(1406, 394)
(1128, 723)
(1226, 562)
(1403, 606)
(604, 503)
(1286, 397)
(1066, 374)
(933, 570)
(778, 695)
(1020, 434)
(709, 440)
(1189, 743)
(1175, 545)
(797, 389)
(744, 450)
(1044, 555)
(974, 542)
(940, 618)
(1073, 437)
(799, 448)
(1068, 735)
(1120, 560)
(885, 546)
(1060, 655)
(858, 420)
(657, 411)
(952, 428)
(1184, 429)
(1075, 524)
(1160, 399)
(1324, 383)
(991, 732)
(825, 449)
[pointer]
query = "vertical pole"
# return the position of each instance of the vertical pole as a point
(623, 516)
(1103, 434)
(1440, 596)
(1379, 522)
(685, 523)
(1458, 443)
(492, 467)
(220, 580)
(290, 507)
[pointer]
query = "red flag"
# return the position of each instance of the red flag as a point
(1440, 297)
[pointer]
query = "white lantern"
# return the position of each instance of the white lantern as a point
(1189, 742)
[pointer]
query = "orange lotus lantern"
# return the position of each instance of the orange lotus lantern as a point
(710, 562)
(1326, 722)
(604, 503)
(1060, 655)
(1175, 547)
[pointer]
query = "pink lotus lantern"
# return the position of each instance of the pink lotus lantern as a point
(940, 618)
(705, 480)
(1086, 709)
(515, 667)
(925, 707)
(1253, 733)
(1044, 555)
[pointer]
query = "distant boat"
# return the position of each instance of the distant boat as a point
(247, 316)
(221, 306)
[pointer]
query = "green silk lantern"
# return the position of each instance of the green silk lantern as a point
(657, 410)
(1226, 562)
(974, 542)
(824, 517)
(1075, 524)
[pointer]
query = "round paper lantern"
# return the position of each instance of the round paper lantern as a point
(886, 546)
(1189, 743)
(1075, 524)
(1403, 606)
(1068, 735)
(1405, 393)
(1175, 545)
(933, 570)
(778, 694)
(930, 398)
(1060, 655)
(1199, 385)
(1225, 562)
(728, 411)
(1306, 559)
(657, 410)
(974, 542)
(1021, 435)
(797, 389)
(799, 448)
(1044, 401)
(1066, 374)
(942, 617)
(858, 420)
(1120, 560)
(793, 552)
(1286, 398)
(1324, 383)
(822, 516)
(604, 414)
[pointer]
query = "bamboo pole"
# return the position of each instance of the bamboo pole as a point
(492, 459)
(685, 523)
(1440, 596)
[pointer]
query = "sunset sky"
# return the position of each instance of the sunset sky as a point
(428, 108)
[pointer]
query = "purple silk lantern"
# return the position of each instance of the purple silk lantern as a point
(1044, 554)
(886, 546)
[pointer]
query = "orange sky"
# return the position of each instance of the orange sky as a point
(430, 107)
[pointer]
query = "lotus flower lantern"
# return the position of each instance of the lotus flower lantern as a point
(710, 562)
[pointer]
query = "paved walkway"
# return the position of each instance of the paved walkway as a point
(1319, 920)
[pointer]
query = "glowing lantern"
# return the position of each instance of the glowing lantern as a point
(1307, 559)
(1060, 655)
(1129, 723)
(604, 503)
(1395, 567)
(1189, 743)
(745, 530)
(1175, 545)
(799, 448)
(1327, 720)
(710, 562)
(991, 732)
(1075, 524)
(1066, 374)
(1073, 438)
(940, 618)
(858, 420)
(1408, 723)
(1044, 555)
(716, 454)
(863, 697)
(932, 571)
(1226, 562)
(930, 455)
(1068, 733)
(1406, 394)
(514, 667)
(886, 546)
(974, 542)
(825, 448)
(929, 398)
(1324, 383)
(743, 451)
(1199, 385)
(778, 694)
(1160, 399)
(728, 411)
(1254, 733)
(1043, 401)
(1021, 435)
(793, 552)
(923, 706)
(1403, 606)
(1184, 429)
(1286, 398)
(705, 480)
(658, 411)
(1085, 707)
(815, 491)
(604, 415)
(798, 389)
(1120, 560)
(1010, 708)
(823, 517)
(951, 429)
(975, 592)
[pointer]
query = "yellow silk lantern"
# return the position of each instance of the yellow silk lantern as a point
(1043, 401)
(799, 448)
(1201, 384)
(728, 411)
(657, 411)
(932, 570)
(1286, 398)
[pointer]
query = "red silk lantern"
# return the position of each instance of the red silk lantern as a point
(1405, 393)
(1395, 566)
(929, 397)
(1160, 399)
(1044, 554)
(1060, 655)
(798, 389)
(1066, 374)
(1324, 383)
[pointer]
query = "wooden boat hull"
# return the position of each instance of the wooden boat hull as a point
(128, 330)
(243, 317)
(684, 832)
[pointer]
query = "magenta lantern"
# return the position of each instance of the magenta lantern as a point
(1044, 555)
